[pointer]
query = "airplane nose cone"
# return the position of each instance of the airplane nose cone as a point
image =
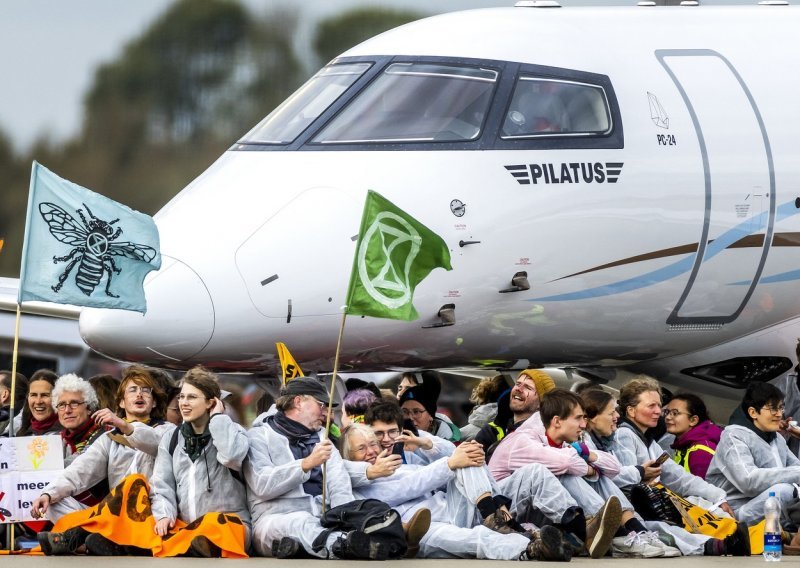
(178, 324)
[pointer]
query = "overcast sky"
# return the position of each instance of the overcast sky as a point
(49, 50)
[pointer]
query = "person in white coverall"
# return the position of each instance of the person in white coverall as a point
(455, 530)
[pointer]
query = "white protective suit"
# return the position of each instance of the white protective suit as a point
(455, 530)
(105, 459)
(630, 449)
(276, 497)
(688, 543)
(186, 489)
(480, 416)
(748, 468)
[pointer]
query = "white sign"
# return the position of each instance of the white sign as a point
(27, 465)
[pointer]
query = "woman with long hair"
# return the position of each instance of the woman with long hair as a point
(198, 468)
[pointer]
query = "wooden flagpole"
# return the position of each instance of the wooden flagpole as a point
(330, 402)
(11, 432)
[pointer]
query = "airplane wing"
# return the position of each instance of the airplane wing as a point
(9, 290)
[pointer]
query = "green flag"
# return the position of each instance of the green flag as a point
(394, 253)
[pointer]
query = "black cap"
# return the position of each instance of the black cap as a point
(307, 386)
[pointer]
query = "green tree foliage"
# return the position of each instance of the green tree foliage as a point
(339, 33)
(179, 95)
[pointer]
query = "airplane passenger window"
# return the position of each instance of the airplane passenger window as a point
(287, 121)
(416, 102)
(546, 107)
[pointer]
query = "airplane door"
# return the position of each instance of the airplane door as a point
(739, 188)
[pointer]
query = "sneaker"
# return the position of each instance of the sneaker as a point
(738, 543)
(58, 544)
(286, 547)
(357, 545)
(654, 539)
(634, 546)
(500, 521)
(201, 547)
(548, 544)
(601, 528)
(415, 529)
(98, 545)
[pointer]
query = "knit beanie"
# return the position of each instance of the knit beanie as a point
(541, 380)
(427, 394)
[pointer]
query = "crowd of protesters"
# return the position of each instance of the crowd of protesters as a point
(536, 473)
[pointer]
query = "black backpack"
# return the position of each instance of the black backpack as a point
(373, 517)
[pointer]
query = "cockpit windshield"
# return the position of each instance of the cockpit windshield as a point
(416, 102)
(545, 107)
(287, 121)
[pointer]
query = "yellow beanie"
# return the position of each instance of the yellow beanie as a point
(541, 380)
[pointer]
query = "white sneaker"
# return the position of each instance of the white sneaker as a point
(651, 537)
(635, 545)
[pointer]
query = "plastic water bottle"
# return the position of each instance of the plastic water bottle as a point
(772, 529)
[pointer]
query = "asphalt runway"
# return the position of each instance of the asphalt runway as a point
(130, 562)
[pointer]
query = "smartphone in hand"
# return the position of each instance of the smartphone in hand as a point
(662, 458)
(397, 448)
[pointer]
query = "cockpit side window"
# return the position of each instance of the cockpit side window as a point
(416, 102)
(297, 112)
(548, 107)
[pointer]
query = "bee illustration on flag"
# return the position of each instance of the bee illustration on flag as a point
(94, 247)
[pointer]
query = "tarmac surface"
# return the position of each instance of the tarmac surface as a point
(130, 562)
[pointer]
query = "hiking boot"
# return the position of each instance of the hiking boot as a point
(98, 545)
(654, 539)
(548, 544)
(501, 521)
(415, 529)
(58, 544)
(738, 543)
(287, 547)
(201, 547)
(635, 545)
(601, 528)
(357, 545)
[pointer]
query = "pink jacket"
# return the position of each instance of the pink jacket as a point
(528, 444)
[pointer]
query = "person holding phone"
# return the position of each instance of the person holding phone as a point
(633, 445)
(201, 474)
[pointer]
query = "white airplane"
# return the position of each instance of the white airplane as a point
(619, 189)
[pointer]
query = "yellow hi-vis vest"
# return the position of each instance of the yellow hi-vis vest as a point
(682, 456)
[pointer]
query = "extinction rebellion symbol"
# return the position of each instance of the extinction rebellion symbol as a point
(396, 242)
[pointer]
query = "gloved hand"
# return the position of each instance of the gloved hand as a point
(582, 449)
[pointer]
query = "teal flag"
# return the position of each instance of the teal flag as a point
(394, 253)
(84, 249)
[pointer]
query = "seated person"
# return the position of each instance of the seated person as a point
(696, 437)
(131, 447)
(418, 404)
(752, 459)
(386, 420)
(20, 394)
(285, 481)
(355, 404)
(550, 437)
(522, 403)
(39, 417)
(454, 530)
(484, 396)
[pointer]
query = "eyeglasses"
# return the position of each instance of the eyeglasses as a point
(146, 391)
(73, 405)
(322, 405)
(393, 433)
(773, 410)
(673, 413)
(413, 412)
(191, 398)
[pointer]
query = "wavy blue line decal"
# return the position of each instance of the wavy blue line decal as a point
(722, 242)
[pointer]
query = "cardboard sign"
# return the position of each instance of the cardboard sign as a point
(27, 465)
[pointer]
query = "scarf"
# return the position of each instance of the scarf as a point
(301, 442)
(603, 443)
(39, 427)
(194, 444)
(80, 437)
